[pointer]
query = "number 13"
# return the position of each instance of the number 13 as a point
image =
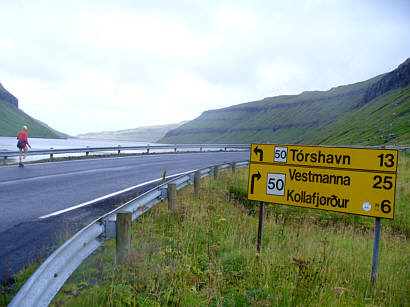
(386, 160)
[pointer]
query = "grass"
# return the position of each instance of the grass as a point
(204, 254)
(383, 121)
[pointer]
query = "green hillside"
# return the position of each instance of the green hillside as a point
(141, 134)
(12, 119)
(385, 121)
(372, 112)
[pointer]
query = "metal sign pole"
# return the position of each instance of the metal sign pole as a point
(375, 262)
(260, 227)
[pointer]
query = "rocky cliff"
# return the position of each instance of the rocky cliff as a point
(398, 78)
(7, 97)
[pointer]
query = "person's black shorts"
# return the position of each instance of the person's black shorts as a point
(21, 144)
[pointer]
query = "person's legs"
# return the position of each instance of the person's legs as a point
(21, 153)
(25, 152)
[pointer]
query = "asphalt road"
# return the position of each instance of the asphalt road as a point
(28, 193)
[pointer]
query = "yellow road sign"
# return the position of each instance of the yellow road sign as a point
(356, 192)
(331, 157)
(350, 180)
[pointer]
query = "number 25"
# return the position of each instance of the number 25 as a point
(387, 182)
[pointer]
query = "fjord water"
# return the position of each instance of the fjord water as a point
(9, 144)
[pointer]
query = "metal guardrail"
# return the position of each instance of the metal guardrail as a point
(5, 153)
(46, 281)
(399, 148)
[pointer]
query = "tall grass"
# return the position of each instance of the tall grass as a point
(204, 254)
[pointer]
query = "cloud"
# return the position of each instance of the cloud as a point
(111, 65)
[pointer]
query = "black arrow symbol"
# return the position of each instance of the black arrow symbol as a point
(258, 151)
(257, 176)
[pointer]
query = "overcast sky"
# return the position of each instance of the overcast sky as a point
(83, 66)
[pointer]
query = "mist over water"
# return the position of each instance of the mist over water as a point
(9, 144)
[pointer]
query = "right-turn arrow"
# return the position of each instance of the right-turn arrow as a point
(257, 176)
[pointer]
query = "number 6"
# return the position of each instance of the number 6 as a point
(386, 206)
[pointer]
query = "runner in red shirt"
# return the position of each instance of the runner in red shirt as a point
(22, 144)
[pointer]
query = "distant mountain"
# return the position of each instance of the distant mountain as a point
(376, 111)
(12, 119)
(141, 134)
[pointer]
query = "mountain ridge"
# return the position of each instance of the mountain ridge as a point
(303, 118)
(140, 134)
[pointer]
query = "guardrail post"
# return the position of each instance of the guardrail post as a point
(119, 150)
(147, 150)
(197, 183)
(200, 149)
(123, 235)
(5, 160)
(216, 172)
(87, 152)
(175, 149)
(51, 155)
(172, 196)
(233, 167)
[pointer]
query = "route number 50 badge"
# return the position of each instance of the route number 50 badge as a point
(276, 184)
(281, 154)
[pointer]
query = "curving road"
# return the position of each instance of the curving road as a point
(40, 190)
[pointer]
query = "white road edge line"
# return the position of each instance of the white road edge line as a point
(104, 197)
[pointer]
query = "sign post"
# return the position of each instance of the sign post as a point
(341, 179)
(260, 227)
(375, 262)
